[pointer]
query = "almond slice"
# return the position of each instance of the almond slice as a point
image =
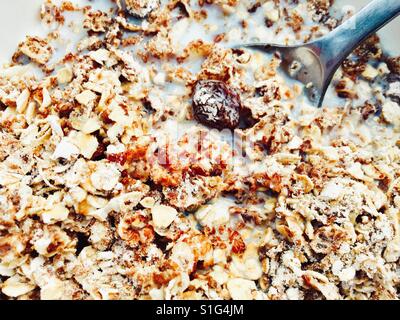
(55, 214)
(163, 216)
(85, 97)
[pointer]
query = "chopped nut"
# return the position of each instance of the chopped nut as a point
(65, 150)
(248, 266)
(391, 113)
(89, 126)
(370, 72)
(148, 202)
(23, 100)
(16, 286)
(86, 97)
(86, 143)
(100, 56)
(163, 216)
(105, 177)
(55, 214)
(212, 215)
(392, 252)
(355, 170)
(53, 290)
(332, 191)
(64, 75)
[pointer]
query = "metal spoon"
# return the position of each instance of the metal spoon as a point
(315, 63)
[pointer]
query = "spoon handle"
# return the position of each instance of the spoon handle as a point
(338, 44)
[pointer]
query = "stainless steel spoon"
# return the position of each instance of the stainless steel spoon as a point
(315, 63)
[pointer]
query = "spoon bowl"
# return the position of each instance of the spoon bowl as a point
(315, 63)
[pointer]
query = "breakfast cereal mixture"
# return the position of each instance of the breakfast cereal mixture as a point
(152, 158)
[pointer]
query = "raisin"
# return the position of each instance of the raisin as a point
(83, 241)
(268, 23)
(216, 105)
(253, 8)
(368, 109)
(394, 64)
(311, 294)
(100, 152)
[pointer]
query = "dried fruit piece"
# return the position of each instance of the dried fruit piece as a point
(141, 8)
(216, 105)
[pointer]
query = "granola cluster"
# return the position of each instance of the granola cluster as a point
(150, 160)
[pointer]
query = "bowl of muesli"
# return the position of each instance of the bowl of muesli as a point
(143, 155)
